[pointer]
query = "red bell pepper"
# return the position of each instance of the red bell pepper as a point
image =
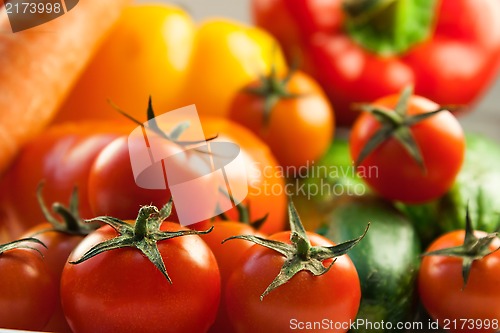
(360, 50)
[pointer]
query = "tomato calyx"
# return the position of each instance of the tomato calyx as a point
(272, 89)
(474, 248)
(243, 214)
(22, 244)
(143, 235)
(389, 27)
(396, 124)
(300, 254)
(70, 222)
(174, 134)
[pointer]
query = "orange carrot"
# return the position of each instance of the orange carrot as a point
(38, 67)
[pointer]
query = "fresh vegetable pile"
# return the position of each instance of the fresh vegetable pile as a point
(388, 224)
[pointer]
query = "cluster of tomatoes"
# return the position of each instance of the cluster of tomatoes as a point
(117, 259)
(418, 149)
(144, 271)
(93, 158)
(71, 274)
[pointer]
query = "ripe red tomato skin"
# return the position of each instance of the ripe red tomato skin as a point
(114, 192)
(59, 247)
(227, 255)
(27, 290)
(61, 157)
(100, 287)
(391, 171)
(440, 285)
(265, 182)
(305, 297)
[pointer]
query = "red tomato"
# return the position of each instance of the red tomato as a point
(227, 256)
(4, 226)
(392, 172)
(474, 307)
(60, 237)
(298, 126)
(334, 295)
(263, 177)
(27, 290)
(122, 291)
(113, 190)
(59, 246)
(61, 157)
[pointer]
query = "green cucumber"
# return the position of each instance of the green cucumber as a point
(387, 259)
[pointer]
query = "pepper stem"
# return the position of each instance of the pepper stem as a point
(389, 27)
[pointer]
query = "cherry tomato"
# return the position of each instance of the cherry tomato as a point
(62, 157)
(227, 256)
(59, 246)
(460, 307)
(122, 291)
(113, 190)
(395, 174)
(27, 290)
(262, 176)
(60, 236)
(334, 295)
(292, 115)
